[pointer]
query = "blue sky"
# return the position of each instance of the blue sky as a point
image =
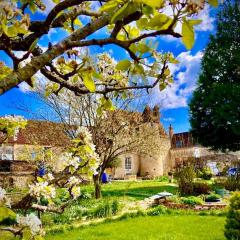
(172, 101)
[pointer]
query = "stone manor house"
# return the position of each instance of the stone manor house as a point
(172, 148)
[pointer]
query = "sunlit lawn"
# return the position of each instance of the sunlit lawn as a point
(137, 190)
(182, 227)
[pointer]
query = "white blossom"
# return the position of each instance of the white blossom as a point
(42, 189)
(31, 221)
(3, 198)
(73, 181)
(2, 194)
(76, 192)
(49, 177)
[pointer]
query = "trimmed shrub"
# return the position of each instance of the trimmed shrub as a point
(200, 188)
(232, 227)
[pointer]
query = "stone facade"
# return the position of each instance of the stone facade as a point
(153, 164)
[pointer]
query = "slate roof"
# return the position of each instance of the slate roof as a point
(43, 133)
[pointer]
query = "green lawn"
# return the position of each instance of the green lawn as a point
(137, 190)
(180, 227)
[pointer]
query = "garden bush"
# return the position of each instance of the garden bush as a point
(184, 172)
(162, 179)
(192, 200)
(213, 197)
(232, 183)
(156, 211)
(128, 215)
(232, 227)
(206, 173)
(200, 188)
(106, 209)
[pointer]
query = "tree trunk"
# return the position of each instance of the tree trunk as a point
(97, 185)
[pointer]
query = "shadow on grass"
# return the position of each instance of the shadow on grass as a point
(140, 192)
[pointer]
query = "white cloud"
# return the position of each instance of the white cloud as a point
(207, 23)
(169, 119)
(185, 74)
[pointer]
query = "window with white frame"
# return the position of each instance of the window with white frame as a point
(6, 152)
(128, 163)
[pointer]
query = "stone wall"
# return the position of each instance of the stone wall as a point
(16, 180)
(179, 154)
(17, 174)
(157, 164)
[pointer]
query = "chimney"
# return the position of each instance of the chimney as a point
(171, 132)
(156, 114)
(147, 114)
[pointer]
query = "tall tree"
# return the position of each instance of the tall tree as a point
(215, 106)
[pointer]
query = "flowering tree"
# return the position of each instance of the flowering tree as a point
(115, 132)
(79, 158)
(129, 24)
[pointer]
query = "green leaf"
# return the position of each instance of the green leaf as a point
(167, 72)
(10, 31)
(142, 23)
(138, 69)
(162, 86)
(108, 105)
(187, 34)
(123, 65)
(160, 22)
(143, 48)
(6, 214)
(214, 3)
(33, 45)
(109, 6)
(89, 82)
(120, 13)
(173, 60)
(152, 3)
(127, 9)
